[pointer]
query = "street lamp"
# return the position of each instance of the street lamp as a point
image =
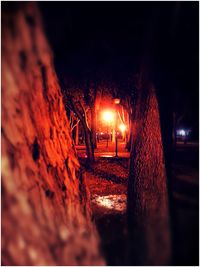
(108, 116)
(116, 101)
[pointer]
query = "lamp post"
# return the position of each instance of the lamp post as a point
(116, 101)
(107, 135)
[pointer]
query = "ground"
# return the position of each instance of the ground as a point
(186, 199)
(107, 183)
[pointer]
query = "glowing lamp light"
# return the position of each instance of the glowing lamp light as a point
(122, 127)
(108, 116)
(182, 132)
(116, 100)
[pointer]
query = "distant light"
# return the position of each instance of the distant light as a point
(116, 100)
(122, 127)
(182, 132)
(108, 116)
(106, 156)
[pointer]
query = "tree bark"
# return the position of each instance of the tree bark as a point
(93, 126)
(45, 210)
(128, 144)
(88, 144)
(77, 134)
(148, 214)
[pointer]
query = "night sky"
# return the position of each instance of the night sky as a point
(113, 38)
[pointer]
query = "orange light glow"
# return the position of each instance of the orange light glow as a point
(108, 116)
(116, 100)
(122, 127)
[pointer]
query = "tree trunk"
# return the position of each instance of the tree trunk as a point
(128, 144)
(88, 144)
(45, 212)
(148, 214)
(93, 126)
(77, 134)
(132, 133)
(81, 114)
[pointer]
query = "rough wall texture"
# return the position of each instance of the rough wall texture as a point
(147, 189)
(45, 215)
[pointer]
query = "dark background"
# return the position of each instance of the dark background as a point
(112, 39)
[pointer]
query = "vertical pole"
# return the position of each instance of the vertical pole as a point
(107, 135)
(113, 134)
(116, 140)
(116, 101)
(116, 145)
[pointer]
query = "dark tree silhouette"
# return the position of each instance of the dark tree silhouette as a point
(90, 96)
(75, 102)
(148, 213)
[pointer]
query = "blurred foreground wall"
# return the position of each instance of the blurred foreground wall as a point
(45, 213)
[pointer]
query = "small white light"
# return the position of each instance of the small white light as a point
(182, 132)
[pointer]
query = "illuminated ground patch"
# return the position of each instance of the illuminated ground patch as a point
(112, 202)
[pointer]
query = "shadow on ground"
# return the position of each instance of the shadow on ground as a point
(107, 181)
(111, 169)
(113, 231)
